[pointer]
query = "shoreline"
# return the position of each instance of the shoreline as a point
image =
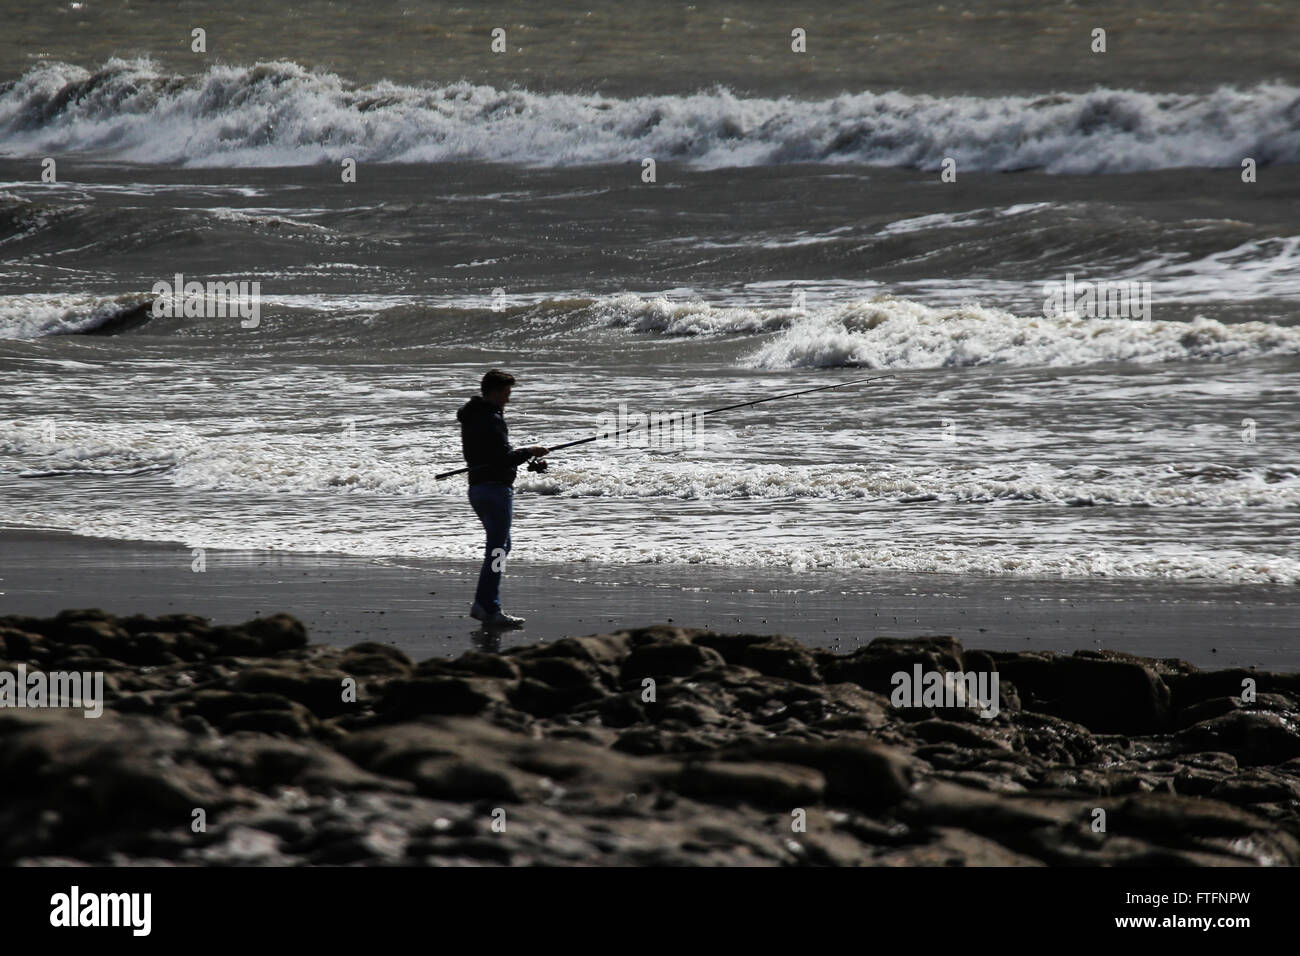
(422, 607)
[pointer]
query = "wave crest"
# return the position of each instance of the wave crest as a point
(892, 333)
(282, 114)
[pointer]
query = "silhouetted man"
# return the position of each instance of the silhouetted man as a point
(485, 442)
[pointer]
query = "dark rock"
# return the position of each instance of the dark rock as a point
(541, 699)
(279, 632)
(759, 784)
(782, 657)
(215, 704)
(1106, 694)
(875, 665)
(1253, 737)
(964, 735)
(473, 663)
(404, 698)
(290, 723)
(21, 645)
(248, 724)
(674, 659)
(371, 659)
(319, 691)
(621, 710)
(858, 771)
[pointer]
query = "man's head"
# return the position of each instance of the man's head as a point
(496, 387)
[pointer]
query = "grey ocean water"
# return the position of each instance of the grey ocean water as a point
(798, 233)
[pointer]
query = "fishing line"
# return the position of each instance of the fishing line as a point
(541, 465)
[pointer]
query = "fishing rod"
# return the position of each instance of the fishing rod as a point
(639, 424)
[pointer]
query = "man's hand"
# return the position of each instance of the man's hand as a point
(538, 451)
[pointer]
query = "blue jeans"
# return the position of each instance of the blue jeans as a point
(494, 503)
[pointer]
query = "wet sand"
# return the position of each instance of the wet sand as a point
(422, 607)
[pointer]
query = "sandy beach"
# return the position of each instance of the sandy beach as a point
(422, 608)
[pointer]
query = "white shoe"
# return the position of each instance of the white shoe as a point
(502, 619)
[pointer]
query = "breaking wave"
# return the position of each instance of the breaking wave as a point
(283, 114)
(895, 333)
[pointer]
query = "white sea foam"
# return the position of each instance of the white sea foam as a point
(283, 114)
(689, 317)
(46, 446)
(900, 334)
(458, 539)
(35, 315)
(232, 478)
(248, 458)
(963, 220)
(1250, 270)
(887, 332)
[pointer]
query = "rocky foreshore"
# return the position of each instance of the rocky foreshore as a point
(245, 745)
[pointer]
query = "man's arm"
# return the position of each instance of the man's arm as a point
(517, 456)
(486, 444)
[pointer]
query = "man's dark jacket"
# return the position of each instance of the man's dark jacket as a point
(485, 441)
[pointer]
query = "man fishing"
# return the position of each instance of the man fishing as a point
(492, 464)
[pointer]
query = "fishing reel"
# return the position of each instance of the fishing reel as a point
(538, 465)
